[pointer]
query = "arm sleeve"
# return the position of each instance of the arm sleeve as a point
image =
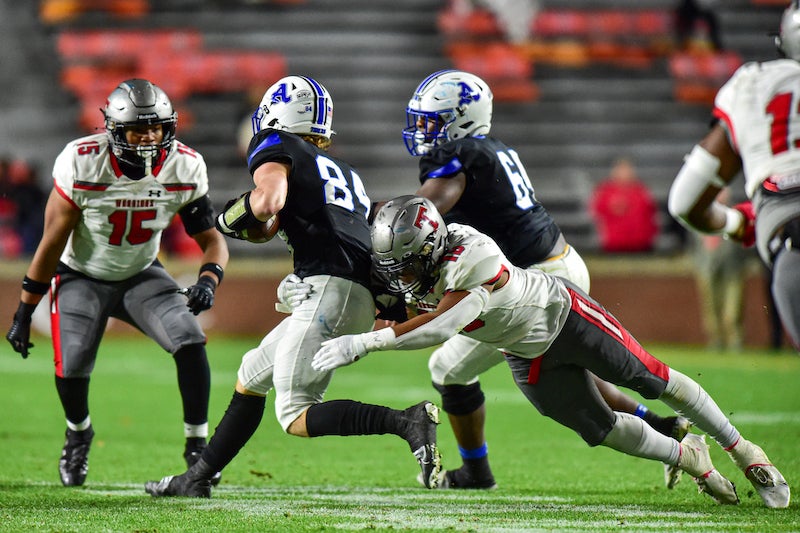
(198, 215)
(446, 324)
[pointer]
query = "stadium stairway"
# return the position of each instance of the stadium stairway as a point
(36, 117)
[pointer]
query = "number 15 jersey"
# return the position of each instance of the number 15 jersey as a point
(119, 232)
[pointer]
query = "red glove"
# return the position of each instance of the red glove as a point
(748, 233)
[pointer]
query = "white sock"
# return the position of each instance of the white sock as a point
(82, 426)
(634, 436)
(195, 430)
(688, 398)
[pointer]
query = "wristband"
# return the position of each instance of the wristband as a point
(382, 339)
(34, 287)
(213, 268)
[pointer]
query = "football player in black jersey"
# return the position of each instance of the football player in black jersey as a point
(478, 180)
(322, 209)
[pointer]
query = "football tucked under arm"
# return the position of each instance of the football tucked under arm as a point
(261, 231)
(238, 221)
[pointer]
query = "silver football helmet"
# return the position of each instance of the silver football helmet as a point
(408, 240)
(788, 39)
(138, 102)
(296, 104)
(447, 105)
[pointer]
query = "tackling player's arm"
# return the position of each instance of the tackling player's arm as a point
(710, 167)
(60, 218)
(455, 311)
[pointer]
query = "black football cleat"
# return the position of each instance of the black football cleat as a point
(194, 483)
(181, 485)
(420, 421)
(192, 453)
(74, 463)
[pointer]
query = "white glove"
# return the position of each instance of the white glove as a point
(337, 352)
(292, 291)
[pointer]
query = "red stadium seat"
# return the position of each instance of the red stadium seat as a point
(95, 61)
(698, 76)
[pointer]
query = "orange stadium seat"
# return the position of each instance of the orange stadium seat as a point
(60, 11)
(573, 37)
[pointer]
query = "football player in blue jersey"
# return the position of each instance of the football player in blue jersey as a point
(322, 210)
(478, 180)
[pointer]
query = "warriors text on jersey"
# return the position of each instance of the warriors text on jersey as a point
(758, 105)
(498, 200)
(523, 317)
(324, 220)
(119, 232)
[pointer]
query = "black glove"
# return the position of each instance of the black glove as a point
(201, 295)
(20, 333)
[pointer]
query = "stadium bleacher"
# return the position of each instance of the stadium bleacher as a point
(600, 80)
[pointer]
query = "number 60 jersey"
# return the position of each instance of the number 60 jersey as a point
(122, 219)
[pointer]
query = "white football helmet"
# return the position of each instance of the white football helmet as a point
(447, 105)
(409, 237)
(138, 102)
(296, 104)
(788, 39)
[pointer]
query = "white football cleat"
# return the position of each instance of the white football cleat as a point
(680, 428)
(762, 474)
(696, 461)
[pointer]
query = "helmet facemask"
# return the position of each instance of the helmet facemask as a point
(139, 103)
(446, 106)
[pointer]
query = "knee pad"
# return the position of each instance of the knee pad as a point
(460, 399)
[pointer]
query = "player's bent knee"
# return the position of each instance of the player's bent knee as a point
(461, 399)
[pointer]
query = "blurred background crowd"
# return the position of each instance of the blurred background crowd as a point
(601, 98)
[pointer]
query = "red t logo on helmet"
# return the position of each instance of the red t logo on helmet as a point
(423, 216)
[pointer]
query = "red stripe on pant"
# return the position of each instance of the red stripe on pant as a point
(606, 322)
(55, 326)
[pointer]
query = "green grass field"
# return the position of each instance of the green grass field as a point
(549, 480)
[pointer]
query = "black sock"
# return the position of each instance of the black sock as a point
(659, 423)
(194, 382)
(74, 395)
(349, 417)
(240, 421)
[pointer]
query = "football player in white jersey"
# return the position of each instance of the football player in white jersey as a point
(113, 195)
(552, 335)
(757, 131)
(475, 179)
